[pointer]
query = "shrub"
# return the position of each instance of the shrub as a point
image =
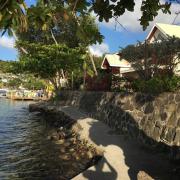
(102, 82)
(157, 84)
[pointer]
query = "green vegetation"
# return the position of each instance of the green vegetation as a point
(53, 37)
(57, 47)
(157, 84)
(156, 64)
(14, 14)
(50, 60)
(164, 52)
(5, 66)
(14, 83)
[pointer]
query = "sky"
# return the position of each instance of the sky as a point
(115, 36)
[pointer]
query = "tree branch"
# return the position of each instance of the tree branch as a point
(75, 6)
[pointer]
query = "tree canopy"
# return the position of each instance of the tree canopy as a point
(14, 14)
(5, 66)
(50, 60)
(165, 52)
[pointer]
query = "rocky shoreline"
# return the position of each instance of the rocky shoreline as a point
(86, 140)
(76, 152)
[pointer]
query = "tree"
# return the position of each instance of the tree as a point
(5, 66)
(50, 60)
(42, 26)
(161, 53)
(14, 83)
(13, 13)
(33, 83)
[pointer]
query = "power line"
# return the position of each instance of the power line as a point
(177, 14)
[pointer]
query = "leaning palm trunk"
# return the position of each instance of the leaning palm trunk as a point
(89, 53)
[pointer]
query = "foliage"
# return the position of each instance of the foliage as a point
(120, 84)
(34, 84)
(164, 52)
(102, 82)
(13, 14)
(157, 84)
(14, 83)
(5, 66)
(87, 31)
(47, 61)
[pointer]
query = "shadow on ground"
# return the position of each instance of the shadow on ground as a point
(136, 157)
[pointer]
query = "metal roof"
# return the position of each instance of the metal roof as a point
(115, 60)
(166, 29)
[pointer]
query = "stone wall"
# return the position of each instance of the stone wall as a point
(154, 120)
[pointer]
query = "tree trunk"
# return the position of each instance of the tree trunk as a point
(15, 37)
(91, 58)
(145, 60)
(92, 61)
(53, 37)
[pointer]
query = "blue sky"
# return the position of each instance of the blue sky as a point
(114, 39)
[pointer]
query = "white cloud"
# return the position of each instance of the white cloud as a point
(7, 42)
(130, 20)
(99, 49)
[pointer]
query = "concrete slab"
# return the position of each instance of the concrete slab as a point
(123, 158)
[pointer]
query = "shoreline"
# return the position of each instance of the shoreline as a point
(66, 130)
(122, 158)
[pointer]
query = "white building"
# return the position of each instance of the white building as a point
(160, 31)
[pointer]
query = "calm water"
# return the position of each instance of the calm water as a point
(25, 151)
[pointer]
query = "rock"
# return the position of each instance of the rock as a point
(65, 157)
(177, 98)
(163, 116)
(55, 137)
(60, 141)
(170, 135)
(89, 154)
(178, 124)
(143, 176)
(157, 133)
(149, 108)
(177, 138)
(172, 121)
(178, 108)
(62, 135)
(171, 98)
(171, 107)
(66, 144)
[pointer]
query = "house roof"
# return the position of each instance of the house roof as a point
(166, 29)
(115, 60)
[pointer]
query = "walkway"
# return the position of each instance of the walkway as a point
(123, 158)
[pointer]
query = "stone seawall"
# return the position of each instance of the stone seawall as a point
(154, 120)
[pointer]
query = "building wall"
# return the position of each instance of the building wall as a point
(157, 36)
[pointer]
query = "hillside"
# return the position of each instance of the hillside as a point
(4, 66)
